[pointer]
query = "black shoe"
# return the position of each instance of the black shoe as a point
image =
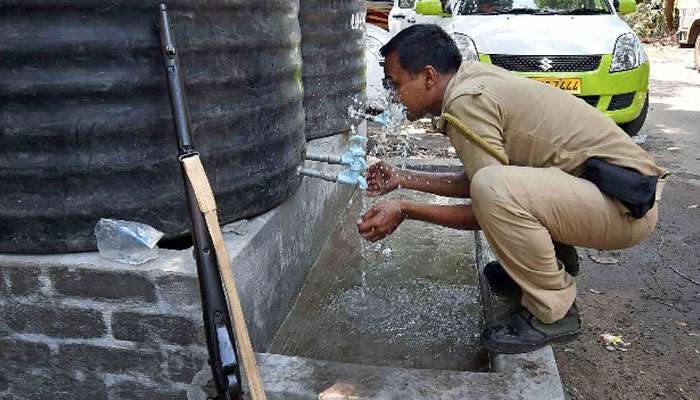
(502, 284)
(499, 281)
(568, 256)
(522, 332)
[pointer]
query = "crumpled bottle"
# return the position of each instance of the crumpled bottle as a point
(127, 242)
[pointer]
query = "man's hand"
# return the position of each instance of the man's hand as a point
(381, 220)
(382, 178)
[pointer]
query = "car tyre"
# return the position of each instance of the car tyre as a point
(633, 127)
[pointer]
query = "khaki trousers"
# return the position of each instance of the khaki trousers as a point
(521, 210)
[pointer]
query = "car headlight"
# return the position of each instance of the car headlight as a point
(628, 54)
(466, 46)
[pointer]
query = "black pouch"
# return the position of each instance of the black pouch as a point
(636, 191)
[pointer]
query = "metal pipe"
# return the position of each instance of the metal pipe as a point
(327, 158)
(318, 174)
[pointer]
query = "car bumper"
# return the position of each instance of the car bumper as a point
(620, 95)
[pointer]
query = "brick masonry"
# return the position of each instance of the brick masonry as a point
(91, 332)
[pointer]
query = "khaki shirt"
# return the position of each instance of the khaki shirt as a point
(533, 124)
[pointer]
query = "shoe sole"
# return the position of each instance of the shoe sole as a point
(504, 348)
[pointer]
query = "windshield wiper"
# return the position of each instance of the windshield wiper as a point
(527, 11)
(486, 13)
(584, 11)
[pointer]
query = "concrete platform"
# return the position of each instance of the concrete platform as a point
(532, 376)
(524, 377)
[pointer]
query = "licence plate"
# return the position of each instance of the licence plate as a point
(571, 85)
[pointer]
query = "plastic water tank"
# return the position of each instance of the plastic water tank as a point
(333, 64)
(85, 124)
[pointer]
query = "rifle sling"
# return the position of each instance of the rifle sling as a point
(205, 200)
(475, 138)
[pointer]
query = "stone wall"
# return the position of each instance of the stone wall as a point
(75, 326)
(82, 333)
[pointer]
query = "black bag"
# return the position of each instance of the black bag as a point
(636, 191)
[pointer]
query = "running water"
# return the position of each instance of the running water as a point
(392, 119)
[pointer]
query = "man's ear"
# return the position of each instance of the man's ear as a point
(430, 76)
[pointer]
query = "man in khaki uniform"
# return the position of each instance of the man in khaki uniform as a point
(524, 146)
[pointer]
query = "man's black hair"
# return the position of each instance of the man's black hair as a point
(424, 44)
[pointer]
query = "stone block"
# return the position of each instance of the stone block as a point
(179, 292)
(102, 359)
(137, 391)
(183, 365)
(32, 383)
(155, 328)
(3, 286)
(24, 280)
(4, 380)
(53, 321)
(19, 352)
(103, 285)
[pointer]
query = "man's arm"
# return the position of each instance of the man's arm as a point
(458, 216)
(383, 219)
(382, 178)
(449, 184)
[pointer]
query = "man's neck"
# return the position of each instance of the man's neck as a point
(436, 108)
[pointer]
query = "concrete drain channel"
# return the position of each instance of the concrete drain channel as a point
(400, 319)
(331, 316)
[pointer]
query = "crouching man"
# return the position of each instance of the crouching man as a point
(544, 170)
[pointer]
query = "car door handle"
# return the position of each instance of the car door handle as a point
(399, 16)
(411, 20)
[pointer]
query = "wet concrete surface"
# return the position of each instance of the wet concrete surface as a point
(408, 301)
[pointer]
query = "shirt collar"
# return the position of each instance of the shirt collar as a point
(460, 75)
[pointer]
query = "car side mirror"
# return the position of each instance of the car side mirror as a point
(625, 7)
(429, 7)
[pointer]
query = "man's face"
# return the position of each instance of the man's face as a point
(411, 89)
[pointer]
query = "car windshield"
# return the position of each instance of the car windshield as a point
(537, 7)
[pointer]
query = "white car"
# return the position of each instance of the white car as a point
(689, 26)
(581, 46)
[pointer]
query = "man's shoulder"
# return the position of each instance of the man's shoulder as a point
(476, 79)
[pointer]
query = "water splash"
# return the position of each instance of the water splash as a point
(393, 115)
(364, 283)
(419, 311)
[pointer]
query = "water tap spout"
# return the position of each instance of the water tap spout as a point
(353, 159)
(356, 163)
(353, 178)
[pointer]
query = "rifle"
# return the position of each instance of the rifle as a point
(221, 344)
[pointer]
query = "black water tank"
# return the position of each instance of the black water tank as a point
(332, 50)
(85, 123)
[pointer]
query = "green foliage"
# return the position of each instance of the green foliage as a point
(648, 21)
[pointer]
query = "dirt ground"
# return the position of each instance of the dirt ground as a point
(651, 297)
(650, 294)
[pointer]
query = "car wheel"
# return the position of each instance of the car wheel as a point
(696, 53)
(633, 127)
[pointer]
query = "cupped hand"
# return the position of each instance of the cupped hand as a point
(381, 220)
(382, 178)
